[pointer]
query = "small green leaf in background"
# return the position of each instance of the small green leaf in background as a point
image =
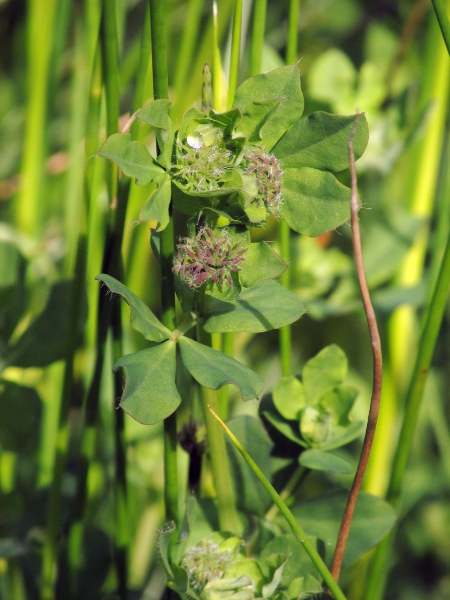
(214, 369)
(263, 307)
(298, 562)
(157, 114)
(289, 397)
(320, 141)
(323, 372)
(321, 516)
(142, 319)
(150, 394)
(318, 460)
(133, 158)
(314, 201)
(282, 84)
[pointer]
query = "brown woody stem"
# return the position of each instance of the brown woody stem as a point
(377, 372)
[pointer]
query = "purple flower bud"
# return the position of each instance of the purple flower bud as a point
(208, 256)
(269, 176)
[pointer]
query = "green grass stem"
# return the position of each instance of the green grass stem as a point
(292, 41)
(427, 343)
(444, 23)
(220, 464)
(187, 46)
(167, 249)
(284, 510)
(257, 40)
(235, 51)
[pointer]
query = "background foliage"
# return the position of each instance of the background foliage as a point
(385, 59)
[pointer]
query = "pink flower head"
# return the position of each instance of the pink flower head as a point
(269, 177)
(208, 257)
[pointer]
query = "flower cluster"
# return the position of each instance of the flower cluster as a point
(208, 257)
(267, 171)
(208, 561)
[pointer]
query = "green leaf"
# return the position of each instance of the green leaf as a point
(156, 114)
(321, 516)
(132, 157)
(339, 402)
(150, 394)
(323, 372)
(142, 319)
(289, 397)
(297, 562)
(214, 369)
(320, 141)
(318, 460)
(255, 115)
(282, 84)
(157, 206)
(265, 306)
(313, 201)
(261, 263)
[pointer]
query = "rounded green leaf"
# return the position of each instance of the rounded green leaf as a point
(323, 372)
(265, 306)
(289, 397)
(142, 319)
(313, 201)
(317, 460)
(282, 84)
(214, 369)
(132, 157)
(150, 394)
(320, 141)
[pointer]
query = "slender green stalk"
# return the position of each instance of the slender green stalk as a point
(40, 34)
(285, 333)
(167, 249)
(294, 13)
(442, 17)
(110, 51)
(218, 87)
(49, 553)
(187, 46)
(430, 331)
(284, 510)
(226, 346)
(257, 43)
(235, 51)
(220, 464)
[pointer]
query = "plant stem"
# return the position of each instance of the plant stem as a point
(291, 50)
(427, 343)
(167, 248)
(257, 43)
(295, 527)
(444, 24)
(344, 530)
(220, 464)
(235, 51)
(285, 333)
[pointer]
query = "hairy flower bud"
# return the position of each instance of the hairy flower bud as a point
(208, 256)
(266, 170)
